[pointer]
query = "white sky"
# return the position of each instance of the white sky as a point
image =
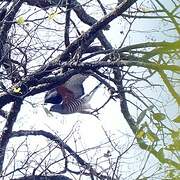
(89, 131)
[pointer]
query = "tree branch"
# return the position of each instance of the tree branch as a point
(7, 130)
(134, 127)
(63, 145)
(40, 177)
(6, 26)
(3, 113)
(86, 38)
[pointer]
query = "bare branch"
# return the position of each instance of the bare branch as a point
(7, 130)
(62, 145)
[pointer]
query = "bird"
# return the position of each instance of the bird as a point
(75, 105)
(71, 89)
(80, 105)
(67, 98)
(70, 97)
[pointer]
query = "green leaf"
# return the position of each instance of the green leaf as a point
(20, 20)
(52, 15)
(141, 116)
(140, 133)
(161, 154)
(151, 136)
(159, 126)
(17, 90)
(159, 116)
(177, 119)
(174, 147)
(175, 135)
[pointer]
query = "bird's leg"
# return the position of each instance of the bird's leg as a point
(90, 113)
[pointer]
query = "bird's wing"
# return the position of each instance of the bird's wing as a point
(71, 89)
(75, 84)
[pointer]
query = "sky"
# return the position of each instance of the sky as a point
(88, 131)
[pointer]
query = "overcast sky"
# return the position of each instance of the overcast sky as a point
(89, 129)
